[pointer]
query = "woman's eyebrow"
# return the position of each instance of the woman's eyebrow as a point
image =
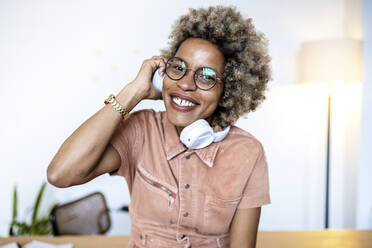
(187, 64)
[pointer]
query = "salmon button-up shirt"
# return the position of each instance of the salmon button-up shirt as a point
(182, 197)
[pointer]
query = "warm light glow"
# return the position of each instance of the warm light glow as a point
(346, 90)
(330, 60)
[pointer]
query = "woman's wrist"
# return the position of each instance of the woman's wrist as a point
(129, 97)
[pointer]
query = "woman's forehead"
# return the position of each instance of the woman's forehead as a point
(199, 52)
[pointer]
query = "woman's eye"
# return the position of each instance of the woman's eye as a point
(178, 68)
(206, 79)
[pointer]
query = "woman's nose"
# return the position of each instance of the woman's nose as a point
(187, 82)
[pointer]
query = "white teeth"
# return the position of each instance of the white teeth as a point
(182, 102)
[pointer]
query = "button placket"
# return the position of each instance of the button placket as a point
(143, 238)
(184, 192)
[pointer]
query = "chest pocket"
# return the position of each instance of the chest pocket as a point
(218, 214)
(151, 198)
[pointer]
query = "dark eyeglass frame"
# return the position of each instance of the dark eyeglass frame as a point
(218, 78)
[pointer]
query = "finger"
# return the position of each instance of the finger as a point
(164, 59)
(160, 64)
(159, 58)
(154, 65)
(162, 68)
(149, 64)
(163, 64)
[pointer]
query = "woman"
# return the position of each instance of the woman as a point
(217, 69)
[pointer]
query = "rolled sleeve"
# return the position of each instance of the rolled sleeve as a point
(257, 192)
(124, 140)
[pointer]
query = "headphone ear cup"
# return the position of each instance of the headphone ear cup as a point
(197, 135)
(157, 80)
(221, 134)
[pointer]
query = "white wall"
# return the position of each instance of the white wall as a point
(364, 203)
(291, 125)
(60, 59)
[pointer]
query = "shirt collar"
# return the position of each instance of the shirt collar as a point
(174, 146)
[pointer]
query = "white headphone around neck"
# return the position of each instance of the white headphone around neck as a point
(198, 134)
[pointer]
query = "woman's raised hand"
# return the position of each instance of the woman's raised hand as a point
(143, 80)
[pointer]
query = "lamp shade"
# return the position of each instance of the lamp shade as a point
(330, 60)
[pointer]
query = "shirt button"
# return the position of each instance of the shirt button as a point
(185, 214)
(188, 157)
(187, 186)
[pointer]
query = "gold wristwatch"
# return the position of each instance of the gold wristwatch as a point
(111, 100)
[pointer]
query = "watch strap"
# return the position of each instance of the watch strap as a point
(112, 101)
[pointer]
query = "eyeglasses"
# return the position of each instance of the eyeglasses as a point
(205, 78)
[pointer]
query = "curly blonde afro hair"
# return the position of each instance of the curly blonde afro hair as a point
(246, 70)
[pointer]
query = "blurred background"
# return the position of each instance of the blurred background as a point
(59, 60)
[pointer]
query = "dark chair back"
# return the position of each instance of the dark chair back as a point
(85, 216)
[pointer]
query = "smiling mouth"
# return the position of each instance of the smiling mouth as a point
(181, 104)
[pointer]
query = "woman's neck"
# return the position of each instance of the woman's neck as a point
(179, 130)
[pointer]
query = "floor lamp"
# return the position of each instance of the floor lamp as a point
(328, 61)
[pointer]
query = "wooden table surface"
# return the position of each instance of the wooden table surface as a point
(265, 239)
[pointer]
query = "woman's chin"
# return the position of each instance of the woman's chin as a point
(180, 122)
